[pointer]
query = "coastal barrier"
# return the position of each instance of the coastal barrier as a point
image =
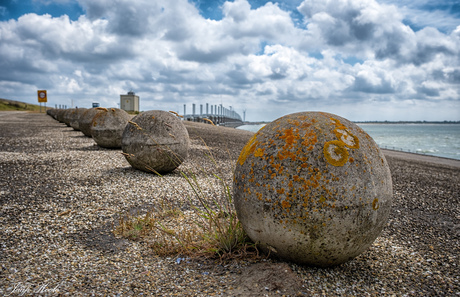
(217, 114)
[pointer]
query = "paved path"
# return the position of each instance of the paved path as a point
(422, 158)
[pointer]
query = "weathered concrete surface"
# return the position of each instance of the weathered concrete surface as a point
(86, 120)
(52, 112)
(75, 118)
(67, 116)
(60, 115)
(155, 140)
(313, 188)
(108, 126)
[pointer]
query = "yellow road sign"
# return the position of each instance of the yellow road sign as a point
(42, 96)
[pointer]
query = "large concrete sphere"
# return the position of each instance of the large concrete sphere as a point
(75, 118)
(155, 140)
(86, 120)
(108, 126)
(312, 188)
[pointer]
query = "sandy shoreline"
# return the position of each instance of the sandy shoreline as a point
(48, 169)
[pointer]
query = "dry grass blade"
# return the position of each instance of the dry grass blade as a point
(208, 227)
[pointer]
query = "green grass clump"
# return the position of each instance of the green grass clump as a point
(10, 105)
(202, 221)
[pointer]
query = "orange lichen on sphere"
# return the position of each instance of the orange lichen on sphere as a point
(259, 152)
(375, 204)
(285, 204)
(344, 135)
(335, 153)
(247, 150)
(309, 188)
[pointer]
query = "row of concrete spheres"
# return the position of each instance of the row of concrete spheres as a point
(309, 187)
(153, 141)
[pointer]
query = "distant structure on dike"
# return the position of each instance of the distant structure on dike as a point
(129, 102)
(218, 114)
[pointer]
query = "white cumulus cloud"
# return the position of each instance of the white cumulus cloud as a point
(345, 55)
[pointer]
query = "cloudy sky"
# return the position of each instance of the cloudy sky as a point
(361, 59)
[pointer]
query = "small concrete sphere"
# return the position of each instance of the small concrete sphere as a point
(108, 127)
(86, 120)
(75, 118)
(51, 112)
(155, 140)
(312, 188)
(67, 116)
(60, 115)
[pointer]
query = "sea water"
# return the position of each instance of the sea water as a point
(442, 140)
(252, 128)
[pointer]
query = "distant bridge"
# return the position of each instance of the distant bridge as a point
(218, 114)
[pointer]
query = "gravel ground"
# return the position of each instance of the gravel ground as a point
(60, 195)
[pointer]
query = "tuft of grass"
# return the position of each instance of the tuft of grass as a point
(204, 224)
(135, 227)
(221, 231)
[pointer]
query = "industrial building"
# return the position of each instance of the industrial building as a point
(129, 102)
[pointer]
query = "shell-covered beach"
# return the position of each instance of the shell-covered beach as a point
(61, 195)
